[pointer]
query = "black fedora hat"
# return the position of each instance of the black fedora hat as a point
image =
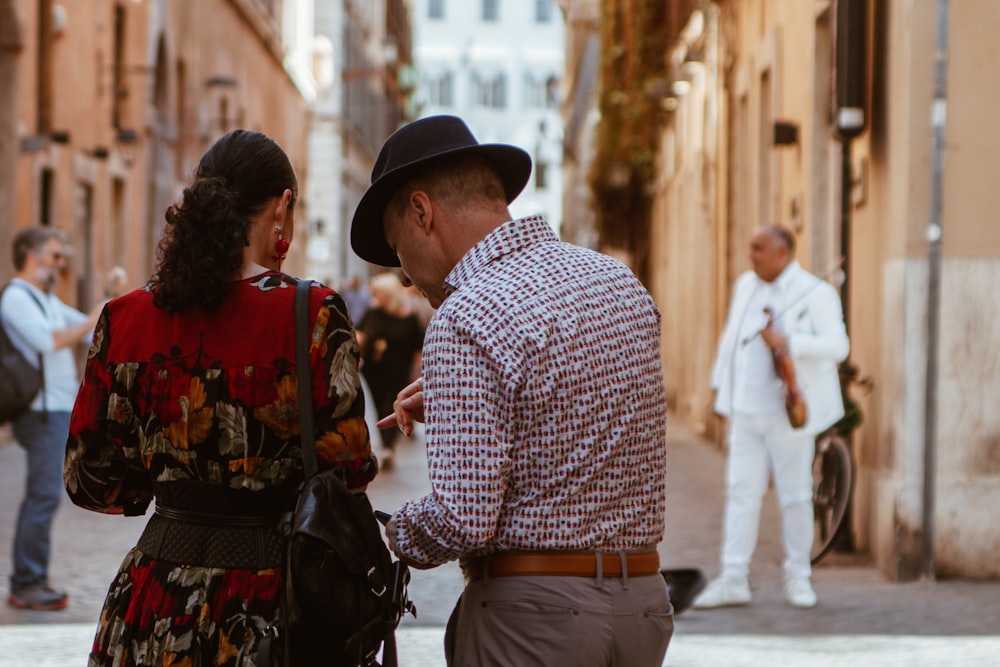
(403, 153)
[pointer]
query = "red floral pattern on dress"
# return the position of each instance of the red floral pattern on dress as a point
(210, 397)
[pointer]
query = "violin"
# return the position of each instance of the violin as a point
(795, 402)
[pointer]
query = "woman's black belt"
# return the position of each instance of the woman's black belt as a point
(205, 539)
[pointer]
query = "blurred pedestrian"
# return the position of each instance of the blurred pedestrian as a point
(190, 397)
(544, 408)
(391, 338)
(357, 297)
(778, 307)
(46, 331)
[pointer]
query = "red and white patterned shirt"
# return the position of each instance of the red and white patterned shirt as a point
(544, 403)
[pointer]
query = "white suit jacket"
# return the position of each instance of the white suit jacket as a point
(812, 319)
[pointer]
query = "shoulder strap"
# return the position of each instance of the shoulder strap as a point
(302, 340)
(35, 299)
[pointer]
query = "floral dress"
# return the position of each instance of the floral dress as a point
(207, 397)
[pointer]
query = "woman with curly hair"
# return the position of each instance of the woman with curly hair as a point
(190, 397)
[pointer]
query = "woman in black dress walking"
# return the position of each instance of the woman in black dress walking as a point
(391, 338)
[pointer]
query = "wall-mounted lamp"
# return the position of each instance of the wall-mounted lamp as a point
(680, 87)
(786, 133)
(59, 20)
(390, 52)
(127, 142)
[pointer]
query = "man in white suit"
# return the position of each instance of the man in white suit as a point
(808, 324)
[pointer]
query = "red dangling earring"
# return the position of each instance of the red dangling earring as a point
(280, 248)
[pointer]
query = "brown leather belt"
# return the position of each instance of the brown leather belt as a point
(561, 564)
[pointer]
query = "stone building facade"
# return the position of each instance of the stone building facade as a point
(363, 55)
(108, 105)
(890, 198)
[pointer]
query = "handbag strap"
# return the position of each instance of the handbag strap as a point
(302, 340)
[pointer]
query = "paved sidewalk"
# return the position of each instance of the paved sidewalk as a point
(66, 645)
(861, 619)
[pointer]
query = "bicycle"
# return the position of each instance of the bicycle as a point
(833, 469)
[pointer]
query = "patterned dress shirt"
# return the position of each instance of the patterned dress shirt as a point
(544, 403)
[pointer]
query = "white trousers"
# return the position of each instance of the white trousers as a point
(761, 446)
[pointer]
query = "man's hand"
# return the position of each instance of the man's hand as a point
(407, 408)
(773, 338)
(390, 535)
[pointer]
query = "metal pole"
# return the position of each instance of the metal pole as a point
(845, 228)
(844, 540)
(938, 118)
(851, 77)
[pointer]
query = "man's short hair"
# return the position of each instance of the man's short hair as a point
(455, 181)
(784, 235)
(32, 240)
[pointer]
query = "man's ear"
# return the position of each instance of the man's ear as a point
(422, 209)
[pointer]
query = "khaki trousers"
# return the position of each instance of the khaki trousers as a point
(567, 621)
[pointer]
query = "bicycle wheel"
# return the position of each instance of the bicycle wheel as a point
(833, 481)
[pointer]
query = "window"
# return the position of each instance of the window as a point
(534, 94)
(541, 93)
(489, 91)
(552, 92)
(541, 175)
(119, 92)
(435, 9)
(543, 11)
(491, 10)
(439, 90)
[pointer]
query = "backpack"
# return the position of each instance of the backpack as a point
(344, 595)
(20, 381)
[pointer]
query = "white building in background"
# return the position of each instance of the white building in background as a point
(361, 65)
(498, 65)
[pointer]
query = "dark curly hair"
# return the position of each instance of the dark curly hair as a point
(202, 247)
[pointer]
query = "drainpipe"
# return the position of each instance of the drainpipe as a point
(851, 64)
(939, 114)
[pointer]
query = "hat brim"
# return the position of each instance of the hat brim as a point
(512, 164)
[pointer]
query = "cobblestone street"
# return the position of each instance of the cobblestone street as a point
(862, 619)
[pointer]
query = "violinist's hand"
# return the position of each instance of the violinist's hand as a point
(774, 339)
(407, 408)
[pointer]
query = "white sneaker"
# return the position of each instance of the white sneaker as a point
(723, 593)
(800, 593)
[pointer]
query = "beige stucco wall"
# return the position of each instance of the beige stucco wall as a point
(967, 476)
(720, 178)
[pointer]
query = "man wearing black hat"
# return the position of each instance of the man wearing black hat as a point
(543, 399)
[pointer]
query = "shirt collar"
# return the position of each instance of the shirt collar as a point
(509, 237)
(785, 278)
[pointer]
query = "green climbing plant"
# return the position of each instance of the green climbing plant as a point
(634, 38)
